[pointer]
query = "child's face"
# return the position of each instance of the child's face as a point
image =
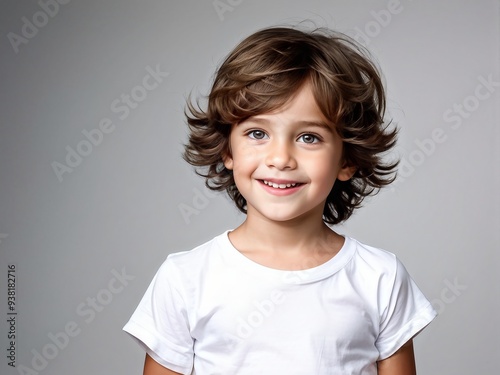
(285, 163)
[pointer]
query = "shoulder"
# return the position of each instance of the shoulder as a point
(376, 264)
(372, 257)
(191, 262)
(200, 251)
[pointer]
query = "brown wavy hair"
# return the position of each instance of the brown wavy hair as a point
(261, 75)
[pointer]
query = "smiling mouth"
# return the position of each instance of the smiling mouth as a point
(281, 186)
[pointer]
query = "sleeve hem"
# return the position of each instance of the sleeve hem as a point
(168, 356)
(391, 345)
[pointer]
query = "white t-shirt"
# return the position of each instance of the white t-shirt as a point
(213, 311)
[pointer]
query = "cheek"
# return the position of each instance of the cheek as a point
(324, 174)
(245, 157)
(244, 164)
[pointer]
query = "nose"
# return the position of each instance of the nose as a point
(280, 155)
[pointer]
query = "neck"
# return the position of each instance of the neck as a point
(299, 235)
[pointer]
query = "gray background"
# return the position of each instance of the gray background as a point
(132, 200)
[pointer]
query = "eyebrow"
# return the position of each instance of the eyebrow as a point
(318, 124)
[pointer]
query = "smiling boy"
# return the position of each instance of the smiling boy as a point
(294, 133)
(285, 164)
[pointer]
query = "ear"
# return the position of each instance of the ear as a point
(227, 154)
(346, 172)
(228, 161)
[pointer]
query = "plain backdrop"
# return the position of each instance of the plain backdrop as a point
(94, 193)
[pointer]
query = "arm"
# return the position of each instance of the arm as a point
(400, 363)
(151, 367)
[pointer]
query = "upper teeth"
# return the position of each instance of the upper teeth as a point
(279, 186)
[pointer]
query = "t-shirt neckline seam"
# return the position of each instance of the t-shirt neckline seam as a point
(322, 271)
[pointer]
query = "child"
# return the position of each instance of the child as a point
(294, 133)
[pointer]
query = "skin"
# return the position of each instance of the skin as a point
(284, 229)
(400, 363)
(151, 367)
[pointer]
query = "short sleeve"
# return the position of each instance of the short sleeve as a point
(406, 312)
(160, 324)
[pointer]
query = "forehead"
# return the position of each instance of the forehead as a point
(300, 108)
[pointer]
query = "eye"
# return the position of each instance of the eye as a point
(308, 138)
(256, 134)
